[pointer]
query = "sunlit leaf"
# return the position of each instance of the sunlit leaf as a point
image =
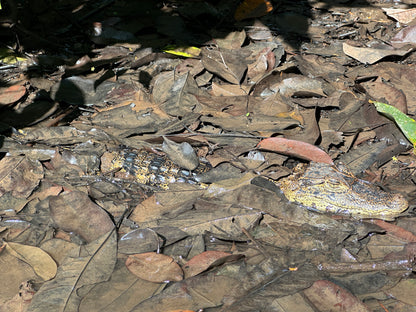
(183, 51)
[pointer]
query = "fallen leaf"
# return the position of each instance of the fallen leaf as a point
(371, 55)
(405, 123)
(40, 261)
(207, 260)
(295, 148)
(403, 16)
(75, 212)
(12, 94)
(154, 267)
(84, 266)
(327, 296)
(252, 8)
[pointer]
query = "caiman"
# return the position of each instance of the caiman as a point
(318, 186)
(327, 188)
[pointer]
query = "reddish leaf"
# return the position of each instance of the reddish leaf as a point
(12, 94)
(295, 148)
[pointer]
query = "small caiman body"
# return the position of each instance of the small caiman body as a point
(318, 186)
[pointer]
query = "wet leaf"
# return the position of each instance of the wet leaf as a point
(154, 267)
(295, 148)
(405, 123)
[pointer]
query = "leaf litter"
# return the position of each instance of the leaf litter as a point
(248, 90)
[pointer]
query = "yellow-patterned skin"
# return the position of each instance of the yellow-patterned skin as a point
(327, 188)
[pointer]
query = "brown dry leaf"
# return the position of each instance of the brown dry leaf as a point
(206, 260)
(385, 93)
(19, 175)
(256, 70)
(194, 294)
(181, 154)
(56, 135)
(227, 90)
(225, 63)
(404, 291)
(370, 55)
(404, 16)
(13, 273)
(40, 261)
(326, 295)
(175, 94)
(167, 203)
(295, 148)
(300, 86)
(75, 212)
(154, 267)
(139, 241)
(121, 293)
(11, 94)
(84, 267)
(255, 123)
(405, 36)
(231, 40)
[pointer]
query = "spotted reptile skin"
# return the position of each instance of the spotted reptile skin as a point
(327, 188)
(318, 186)
(154, 169)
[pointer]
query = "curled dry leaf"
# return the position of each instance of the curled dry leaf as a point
(295, 148)
(154, 267)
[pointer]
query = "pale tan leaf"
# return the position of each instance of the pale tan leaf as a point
(154, 267)
(370, 55)
(40, 261)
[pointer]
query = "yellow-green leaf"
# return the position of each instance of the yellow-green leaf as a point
(405, 123)
(183, 51)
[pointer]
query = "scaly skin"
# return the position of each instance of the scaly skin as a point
(319, 186)
(327, 188)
